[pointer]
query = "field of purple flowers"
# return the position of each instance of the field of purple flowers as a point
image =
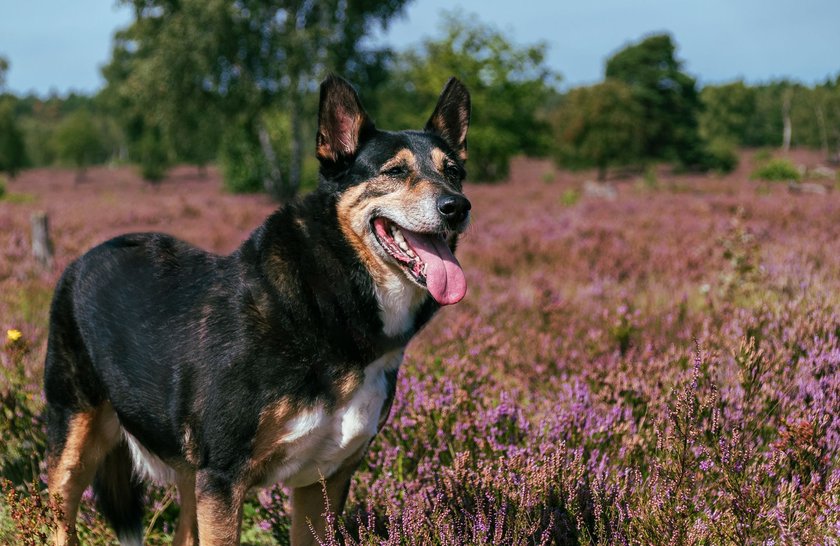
(661, 367)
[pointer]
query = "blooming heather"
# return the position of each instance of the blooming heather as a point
(662, 368)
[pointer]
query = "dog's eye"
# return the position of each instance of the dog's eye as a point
(398, 170)
(451, 171)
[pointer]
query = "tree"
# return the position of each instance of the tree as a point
(509, 87)
(4, 67)
(12, 149)
(599, 126)
(77, 142)
(668, 98)
(230, 60)
(728, 112)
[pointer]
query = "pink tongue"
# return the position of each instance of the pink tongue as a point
(444, 276)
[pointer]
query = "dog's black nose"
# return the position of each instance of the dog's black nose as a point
(453, 208)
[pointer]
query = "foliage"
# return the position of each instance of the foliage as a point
(509, 87)
(668, 98)
(753, 115)
(152, 154)
(777, 170)
(600, 126)
(720, 156)
(77, 141)
(4, 67)
(243, 165)
(728, 112)
(192, 67)
(12, 150)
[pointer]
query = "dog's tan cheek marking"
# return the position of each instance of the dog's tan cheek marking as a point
(346, 206)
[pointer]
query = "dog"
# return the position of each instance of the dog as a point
(275, 364)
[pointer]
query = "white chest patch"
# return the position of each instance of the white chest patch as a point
(317, 442)
(398, 299)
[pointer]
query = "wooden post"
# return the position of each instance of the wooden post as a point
(42, 247)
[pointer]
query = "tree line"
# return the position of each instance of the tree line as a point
(235, 84)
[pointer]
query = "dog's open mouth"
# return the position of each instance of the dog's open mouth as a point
(425, 257)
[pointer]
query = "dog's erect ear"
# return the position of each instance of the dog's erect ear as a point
(343, 123)
(451, 117)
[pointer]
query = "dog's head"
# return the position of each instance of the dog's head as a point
(400, 200)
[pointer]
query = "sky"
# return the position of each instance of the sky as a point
(60, 45)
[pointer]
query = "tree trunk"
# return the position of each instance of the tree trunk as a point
(602, 173)
(823, 129)
(296, 152)
(273, 181)
(42, 247)
(787, 132)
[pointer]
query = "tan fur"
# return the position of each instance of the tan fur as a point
(268, 442)
(438, 159)
(351, 222)
(346, 138)
(219, 522)
(402, 157)
(309, 504)
(439, 122)
(190, 447)
(347, 385)
(186, 533)
(90, 436)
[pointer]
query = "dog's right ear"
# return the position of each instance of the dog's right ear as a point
(451, 118)
(343, 124)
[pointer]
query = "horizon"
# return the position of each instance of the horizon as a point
(65, 52)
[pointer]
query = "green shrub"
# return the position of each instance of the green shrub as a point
(570, 197)
(78, 142)
(2, 187)
(777, 170)
(241, 161)
(721, 157)
(152, 156)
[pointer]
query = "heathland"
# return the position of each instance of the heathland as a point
(656, 360)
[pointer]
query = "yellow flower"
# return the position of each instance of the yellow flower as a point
(13, 335)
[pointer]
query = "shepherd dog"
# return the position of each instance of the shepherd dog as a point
(276, 364)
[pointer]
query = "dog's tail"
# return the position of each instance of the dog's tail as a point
(119, 495)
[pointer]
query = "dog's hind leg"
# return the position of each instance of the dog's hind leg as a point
(186, 533)
(119, 495)
(218, 509)
(79, 442)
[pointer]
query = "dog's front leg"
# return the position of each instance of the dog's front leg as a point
(218, 509)
(309, 504)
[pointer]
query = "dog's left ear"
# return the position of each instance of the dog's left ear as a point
(343, 124)
(451, 117)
